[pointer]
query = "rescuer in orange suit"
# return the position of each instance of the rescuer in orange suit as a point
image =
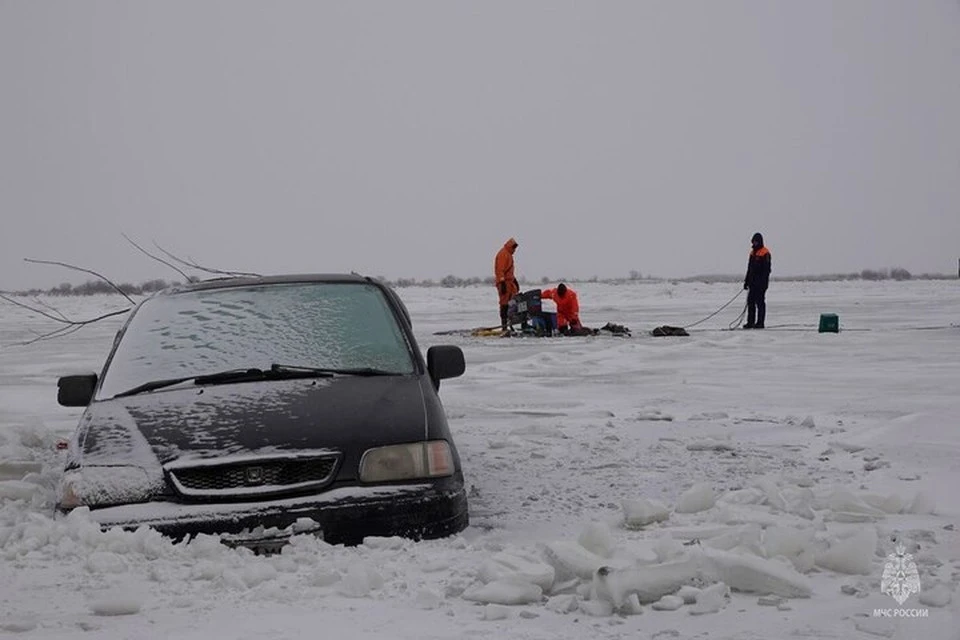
(504, 277)
(568, 307)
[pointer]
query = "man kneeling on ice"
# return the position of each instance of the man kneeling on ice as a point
(568, 310)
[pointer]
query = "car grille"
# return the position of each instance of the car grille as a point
(256, 477)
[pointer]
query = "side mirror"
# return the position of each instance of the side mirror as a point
(77, 390)
(445, 361)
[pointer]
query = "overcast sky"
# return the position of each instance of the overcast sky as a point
(411, 139)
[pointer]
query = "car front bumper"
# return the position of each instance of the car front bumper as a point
(344, 516)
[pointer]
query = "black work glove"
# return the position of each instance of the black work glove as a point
(502, 287)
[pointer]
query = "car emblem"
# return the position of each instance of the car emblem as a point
(254, 475)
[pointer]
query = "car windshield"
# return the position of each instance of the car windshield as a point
(326, 325)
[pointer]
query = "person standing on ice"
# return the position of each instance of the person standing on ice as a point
(756, 282)
(568, 308)
(506, 281)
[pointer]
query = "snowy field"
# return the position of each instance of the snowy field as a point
(735, 464)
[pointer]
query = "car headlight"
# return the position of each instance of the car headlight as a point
(407, 462)
(103, 486)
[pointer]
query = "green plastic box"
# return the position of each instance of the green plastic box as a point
(829, 323)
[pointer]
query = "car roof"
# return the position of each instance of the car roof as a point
(245, 281)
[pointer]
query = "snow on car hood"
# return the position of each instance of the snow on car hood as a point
(343, 413)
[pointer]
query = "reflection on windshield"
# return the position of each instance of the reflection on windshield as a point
(329, 325)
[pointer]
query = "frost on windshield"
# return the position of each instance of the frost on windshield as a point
(331, 325)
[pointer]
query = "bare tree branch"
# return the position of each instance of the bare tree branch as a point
(194, 265)
(59, 333)
(50, 307)
(157, 258)
(75, 268)
(63, 320)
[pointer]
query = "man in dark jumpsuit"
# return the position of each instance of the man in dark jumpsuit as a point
(756, 282)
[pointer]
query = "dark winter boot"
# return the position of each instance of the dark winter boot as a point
(751, 318)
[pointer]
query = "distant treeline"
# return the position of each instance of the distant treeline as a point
(896, 273)
(96, 287)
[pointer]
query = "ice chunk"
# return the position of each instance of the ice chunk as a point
(711, 599)
(853, 555)
(117, 603)
(751, 495)
(808, 423)
(496, 612)
(324, 577)
(699, 497)
(753, 574)
(255, 574)
(786, 541)
(844, 501)
(598, 539)
(563, 604)
(516, 567)
(641, 512)
(596, 608)
(846, 446)
(668, 549)
(381, 542)
(359, 581)
(772, 494)
(504, 592)
(632, 606)
(891, 504)
(569, 559)
(650, 583)
(688, 593)
(105, 562)
(666, 603)
(922, 504)
(939, 596)
(639, 552)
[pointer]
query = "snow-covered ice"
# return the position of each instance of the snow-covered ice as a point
(754, 482)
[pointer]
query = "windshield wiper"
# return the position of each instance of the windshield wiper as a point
(284, 369)
(253, 374)
(229, 375)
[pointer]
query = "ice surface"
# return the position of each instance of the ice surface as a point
(575, 459)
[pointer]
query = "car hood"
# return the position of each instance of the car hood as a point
(342, 413)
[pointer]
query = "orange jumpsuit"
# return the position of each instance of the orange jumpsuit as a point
(503, 273)
(568, 307)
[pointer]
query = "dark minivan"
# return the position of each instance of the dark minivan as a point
(257, 408)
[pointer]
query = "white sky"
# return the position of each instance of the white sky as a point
(410, 139)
